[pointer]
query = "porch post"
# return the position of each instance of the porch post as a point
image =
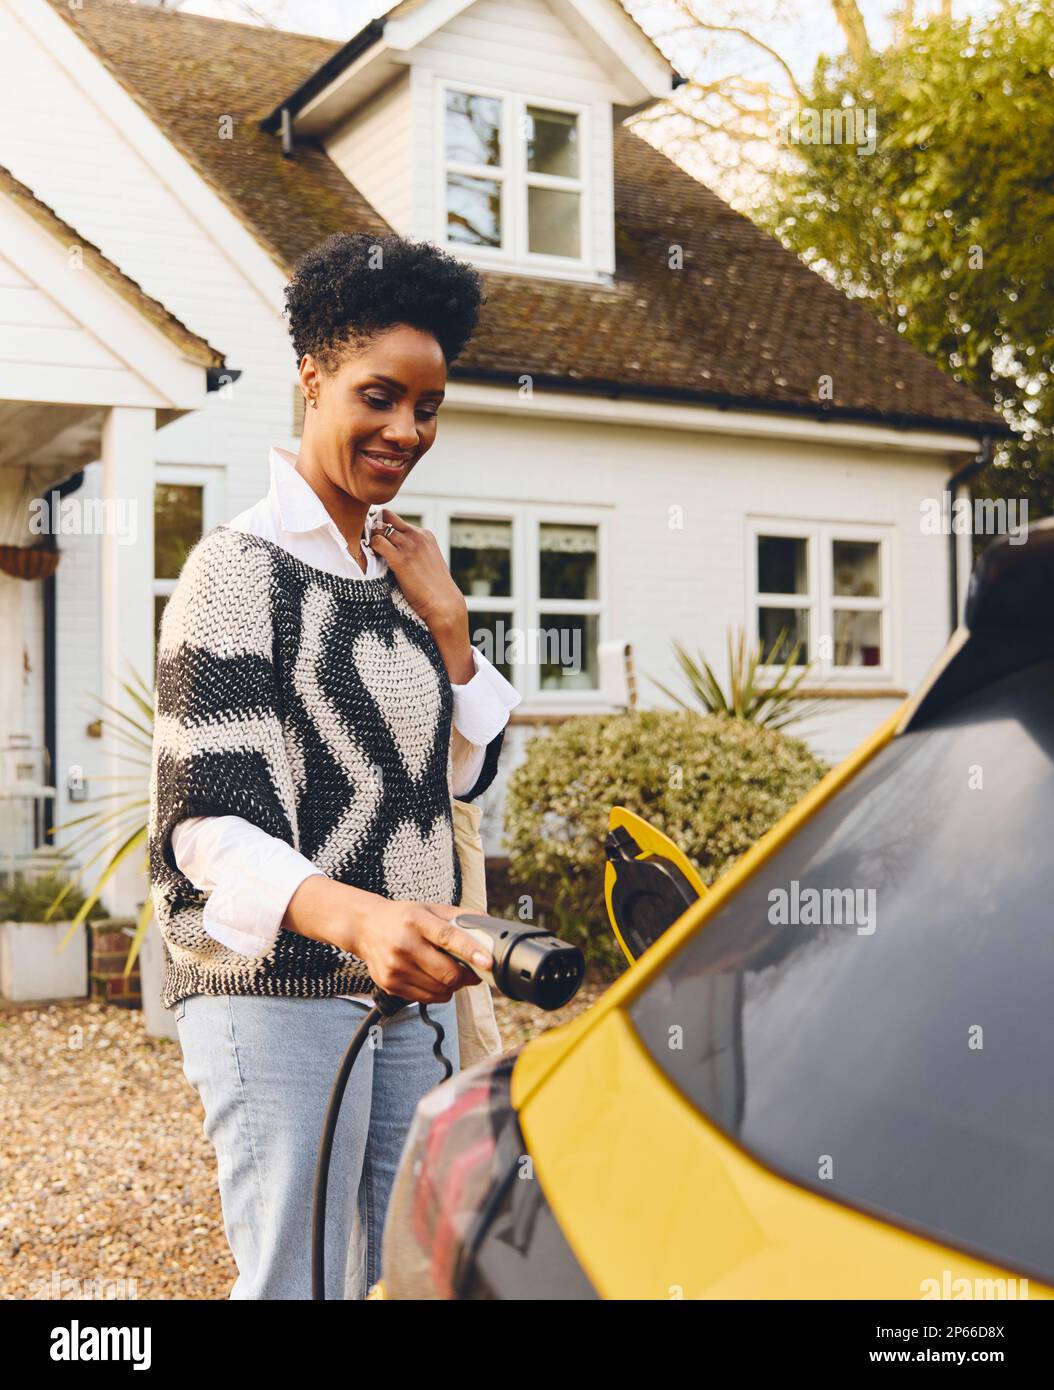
(127, 606)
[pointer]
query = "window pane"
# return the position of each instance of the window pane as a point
(567, 651)
(793, 623)
(783, 565)
(491, 633)
(473, 210)
(481, 556)
(568, 561)
(857, 638)
(178, 522)
(553, 222)
(552, 142)
(473, 128)
(856, 569)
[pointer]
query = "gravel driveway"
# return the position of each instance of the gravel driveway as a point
(107, 1182)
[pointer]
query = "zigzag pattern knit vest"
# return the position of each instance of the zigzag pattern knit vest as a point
(317, 707)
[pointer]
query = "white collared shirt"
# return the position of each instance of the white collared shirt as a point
(250, 875)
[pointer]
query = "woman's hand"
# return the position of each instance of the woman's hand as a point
(424, 578)
(399, 941)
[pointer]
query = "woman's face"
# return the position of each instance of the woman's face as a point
(376, 413)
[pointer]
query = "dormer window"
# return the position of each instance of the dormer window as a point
(512, 186)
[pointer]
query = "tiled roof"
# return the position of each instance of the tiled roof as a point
(745, 324)
(189, 344)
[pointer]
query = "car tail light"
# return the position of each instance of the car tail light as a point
(453, 1166)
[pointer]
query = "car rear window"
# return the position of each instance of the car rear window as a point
(872, 1014)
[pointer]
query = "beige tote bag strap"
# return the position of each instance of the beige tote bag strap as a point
(477, 1027)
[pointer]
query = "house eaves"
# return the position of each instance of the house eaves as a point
(380, 51)
(194, 348)
(743, 324)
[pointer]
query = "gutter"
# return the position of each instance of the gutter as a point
(723, 400)
(968, 470)
(283, 115)
(216, 378)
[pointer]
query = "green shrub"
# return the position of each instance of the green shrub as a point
(712, 783)
(28, 900)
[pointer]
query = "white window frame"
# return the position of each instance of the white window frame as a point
(211, 481)
(515, 179)
(821, 601)
(526, 604)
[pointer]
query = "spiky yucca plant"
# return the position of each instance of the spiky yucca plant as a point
(773, 704)
(117, 829)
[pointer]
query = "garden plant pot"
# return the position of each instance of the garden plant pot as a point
(33, 967)
(158, 1022)
(29, 561)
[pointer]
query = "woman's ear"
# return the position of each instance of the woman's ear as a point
(310, 380)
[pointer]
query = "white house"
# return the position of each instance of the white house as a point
(666, 425)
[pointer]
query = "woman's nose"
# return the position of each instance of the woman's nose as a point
(402, 430)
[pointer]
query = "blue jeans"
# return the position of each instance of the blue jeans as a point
(264, 1068)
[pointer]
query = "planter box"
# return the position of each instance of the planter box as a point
(111, 938)
(33, 967)
(158, 1022)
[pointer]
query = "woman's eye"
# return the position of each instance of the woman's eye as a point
(382, 403)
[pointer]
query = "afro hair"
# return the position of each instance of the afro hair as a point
(354, 286)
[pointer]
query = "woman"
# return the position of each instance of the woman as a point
(318, 706)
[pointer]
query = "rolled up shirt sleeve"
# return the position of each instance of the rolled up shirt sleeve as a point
(481, 710)
(250, 877)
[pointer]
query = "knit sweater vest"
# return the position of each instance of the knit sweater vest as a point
(318, 708)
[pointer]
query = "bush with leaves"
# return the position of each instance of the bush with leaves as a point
(712, 783)
(30, 900)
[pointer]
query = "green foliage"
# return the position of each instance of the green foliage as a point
(772, 701)
(118, 827)
(711, 783)
(948, 227)
(28, 899)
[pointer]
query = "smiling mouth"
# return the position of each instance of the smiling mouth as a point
(393, 463)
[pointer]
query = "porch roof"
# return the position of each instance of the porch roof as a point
(191, 346)
(74, 346)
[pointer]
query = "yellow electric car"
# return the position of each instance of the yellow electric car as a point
(832, 1076)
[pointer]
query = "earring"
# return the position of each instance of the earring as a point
(314, 402)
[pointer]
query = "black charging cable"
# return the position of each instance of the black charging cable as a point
(529, 964)
(386, 1006)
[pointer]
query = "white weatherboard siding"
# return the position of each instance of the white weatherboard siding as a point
(526, 49)
(34, 328)
(392, 146)
(525, 44)
(73, 136)
(374, 148)
(659, 584)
